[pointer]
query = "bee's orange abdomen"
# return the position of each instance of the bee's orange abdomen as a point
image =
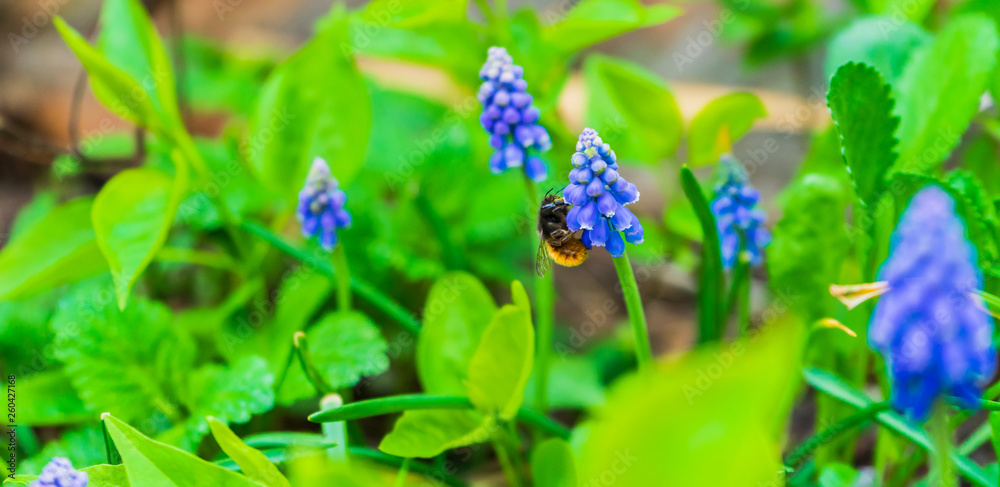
(570, 254)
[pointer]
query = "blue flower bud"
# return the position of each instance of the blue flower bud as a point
(739, 222)
(59, 472)
(321, 205)
(509, 116)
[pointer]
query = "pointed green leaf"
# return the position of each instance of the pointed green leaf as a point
(427, 433)
(153, 464)
(553, 464)
(58, 249)
(252, 462)
(939, 92)
(132, 215)
(519, 296)
(130, 42)
(591, 21)
(502, 364)
(632, 109)
(113, 87)
(710, 290)
(861, 105)
(721, 122)
(458, 309)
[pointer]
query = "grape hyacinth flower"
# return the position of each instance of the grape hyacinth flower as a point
(931, 329)
(740, 224)
(510, 118)
(599, 195)
(59, 472)
(321, 206)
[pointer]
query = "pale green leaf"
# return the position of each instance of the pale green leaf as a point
(132, 215)
(575, 26)
(721, 122)
(553, 464)
(58, 249)
(458, 309)
(502, 363)
(427, 433)
(152, 464)
(865, 40)
(252, 462)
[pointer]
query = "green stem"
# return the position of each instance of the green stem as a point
(808, 447)
(403, 470)
(942, 441)
(407, 402)
(196, 257)
(733, 294)
(544, 320)
(308, 365)
(744, 299)
(343, 277)
(506, 463)
(636, 315)
(335, 433)
(362, 288)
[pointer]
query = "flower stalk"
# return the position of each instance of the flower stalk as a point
(636, 316)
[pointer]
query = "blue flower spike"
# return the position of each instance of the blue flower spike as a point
(510, 117)
(599, 196)
(321, 206)
(59, 472)
(931, 329)
(740, 222)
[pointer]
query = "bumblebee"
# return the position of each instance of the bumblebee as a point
(556, 241)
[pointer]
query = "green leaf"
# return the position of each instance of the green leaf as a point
(252, 462)
(591, 21)
(457, 311)
(710, 312)
(939, 92)
(502, 364)
(299, 117)
(126, 362)
(812, 242)
(633, 109)
(553, 465)
(97, 476)
(861, 105)
(573, 384)
(979, 213)
(865, 41)
(427, 433)
(995, 428)
(346, 347)
(112, 86)
(721, 122)
(130, 42)
(48, 398)
(58, 249)
(720, 401)
(132, 215)
(228, 394)
(519, 296)
(154, 464)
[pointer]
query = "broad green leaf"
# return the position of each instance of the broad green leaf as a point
(130, 42)
(227, 79)
(299, 117)
(97, 476)
(427, 433)
(253, 463)
(457, 311)
(861, 105)
(58, 249)
(576, 26)
(41, 204)
(346, 347)
(939, 92)
(632, 109)
(721, 122)
(865, 41)
(502, 364)
(812, 243)
(229, 394)
(573, 384)
(132, 215)
(154, 464)
(48, 399)
(126, 362)
(721, 401)
(553, 464)
(710, 298)
(112, 86)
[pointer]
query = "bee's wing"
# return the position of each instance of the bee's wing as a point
(542, 260)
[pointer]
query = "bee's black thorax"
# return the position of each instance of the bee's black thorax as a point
(552, 220)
